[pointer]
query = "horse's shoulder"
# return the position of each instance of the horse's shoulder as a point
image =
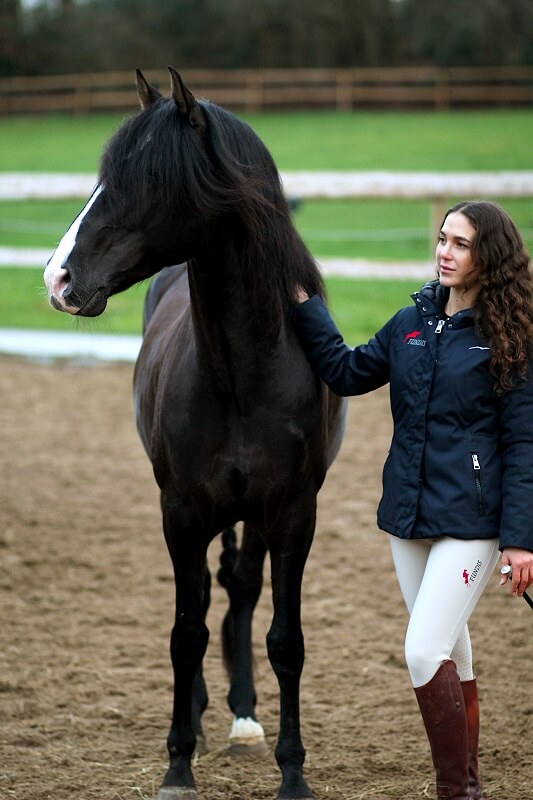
(173, 279)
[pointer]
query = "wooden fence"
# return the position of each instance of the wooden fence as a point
(261, 90)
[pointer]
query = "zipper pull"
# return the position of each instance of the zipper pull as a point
(440, 325)
(475, 461)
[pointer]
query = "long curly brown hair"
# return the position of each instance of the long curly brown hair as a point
(504, 306)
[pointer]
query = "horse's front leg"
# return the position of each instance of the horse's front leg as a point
(188, 643)
(289, 547)
(241, 573)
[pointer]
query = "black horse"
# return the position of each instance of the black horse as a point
(235, 423)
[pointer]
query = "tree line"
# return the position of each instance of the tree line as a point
(63, 36)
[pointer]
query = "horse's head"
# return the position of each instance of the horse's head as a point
(135, 222)
(182, 179)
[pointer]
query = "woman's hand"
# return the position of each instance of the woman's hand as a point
(521, 563)
(300, 295)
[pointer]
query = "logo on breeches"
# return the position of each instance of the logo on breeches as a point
(471, 577)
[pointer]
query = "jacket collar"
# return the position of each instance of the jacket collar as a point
(434, 295)
(435, 298)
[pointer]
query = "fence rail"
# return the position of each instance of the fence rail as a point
(436, 187)
(261, 90)
(310, 185)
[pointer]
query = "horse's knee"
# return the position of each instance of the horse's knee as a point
(188, 643)
(285, 651)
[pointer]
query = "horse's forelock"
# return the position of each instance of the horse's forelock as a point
(149, 160)
(157, 153)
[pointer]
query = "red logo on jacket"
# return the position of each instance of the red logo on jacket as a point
(412, 335)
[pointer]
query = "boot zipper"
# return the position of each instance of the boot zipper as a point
(476, 468)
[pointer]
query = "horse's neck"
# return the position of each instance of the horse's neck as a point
(234, 330)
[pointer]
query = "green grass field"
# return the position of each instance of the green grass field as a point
(360, 306)
(449, 141)
(393, 230)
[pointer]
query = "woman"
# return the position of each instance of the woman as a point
(458, 480)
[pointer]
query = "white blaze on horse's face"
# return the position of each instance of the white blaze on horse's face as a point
(56, 277)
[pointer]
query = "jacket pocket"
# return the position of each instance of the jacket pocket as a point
(477, 477)
(484, 479)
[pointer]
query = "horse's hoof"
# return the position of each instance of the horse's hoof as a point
(247, 739)
(256, 750)
(307, 795)
(295, 789)
(177, 793)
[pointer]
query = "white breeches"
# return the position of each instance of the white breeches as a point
(441, 581)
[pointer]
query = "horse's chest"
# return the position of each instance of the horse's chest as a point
(243, 457)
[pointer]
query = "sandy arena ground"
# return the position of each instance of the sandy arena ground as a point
(86, 595)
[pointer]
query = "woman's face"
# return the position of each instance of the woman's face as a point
(454, 255)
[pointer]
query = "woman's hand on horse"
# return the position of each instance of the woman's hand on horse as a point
(300, 295)
(521, 563)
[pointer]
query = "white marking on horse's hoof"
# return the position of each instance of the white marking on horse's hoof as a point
(176, 793)
(247, 738)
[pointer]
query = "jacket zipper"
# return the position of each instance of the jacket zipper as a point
(440, 325)
(476, 469)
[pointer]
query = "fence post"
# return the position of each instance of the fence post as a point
(81, 100)
(343, 90)
(254, 92)
(438, 207)
(442, 90)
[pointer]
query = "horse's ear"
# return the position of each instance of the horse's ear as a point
(147, 93)
(186, 101)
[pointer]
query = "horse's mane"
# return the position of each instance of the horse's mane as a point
(156, 157)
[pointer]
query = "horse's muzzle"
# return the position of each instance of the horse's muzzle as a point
(69, 303)
(94, 306)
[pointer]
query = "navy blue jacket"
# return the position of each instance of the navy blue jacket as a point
(461, 458)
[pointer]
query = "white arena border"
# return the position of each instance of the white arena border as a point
(343, 267)
(52, 345)
(87, 345)
(316, 184)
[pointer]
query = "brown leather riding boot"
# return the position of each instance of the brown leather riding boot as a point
(472, 718)
(443, 710)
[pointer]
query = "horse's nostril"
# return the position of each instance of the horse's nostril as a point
(60, 282)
